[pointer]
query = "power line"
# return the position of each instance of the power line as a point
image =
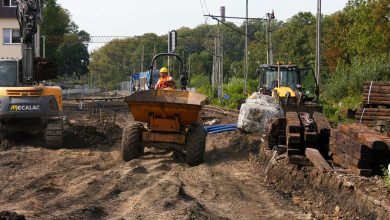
(201, 4)
(206, 6)
(234, 28)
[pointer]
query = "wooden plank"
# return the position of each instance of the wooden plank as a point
(293, 122)
(369, 157)
(372, 117)
(349, 144)
(293, 138)
(375, 94)
(294, 151)
(323, 130)
(364, 135)
(374, 99)
(282, 140)
(377, 83)
(361, 172)
(299, 160)
(322, 122)
(377, 89)
(354, 162)
(386, 110)
(375, 102)
(373, 141)
(310, 136)
(316, 158)
(368, 113)
(340, 161)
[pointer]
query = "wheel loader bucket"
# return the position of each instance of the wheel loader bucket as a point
(184, 105)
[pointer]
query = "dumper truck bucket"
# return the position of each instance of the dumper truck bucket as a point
(184, 105)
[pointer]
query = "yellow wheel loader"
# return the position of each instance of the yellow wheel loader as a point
(294, 88)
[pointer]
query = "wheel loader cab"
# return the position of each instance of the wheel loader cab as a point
(289, 85)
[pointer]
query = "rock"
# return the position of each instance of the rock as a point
(376, 202)
(212, 122)
(348, 184)
(337, 210)
(7, 215)
(256, 111)
(5, 145)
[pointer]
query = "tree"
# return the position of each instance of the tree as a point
(55, 25)
(67, 46)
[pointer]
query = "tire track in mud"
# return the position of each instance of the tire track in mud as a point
(94, 183)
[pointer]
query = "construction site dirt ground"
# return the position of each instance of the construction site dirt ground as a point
(86, 179)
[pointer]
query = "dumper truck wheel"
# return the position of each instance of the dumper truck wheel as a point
(132, 147)
(54, 133)
(196, 146)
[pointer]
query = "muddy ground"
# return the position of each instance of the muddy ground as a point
(86, 179)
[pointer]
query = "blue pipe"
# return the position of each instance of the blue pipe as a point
(220, 128)
(223, 130)
(217, 127)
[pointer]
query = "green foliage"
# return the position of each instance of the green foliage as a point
(55, 24)
(234, 88)
(295, 40)
(65, 45)
(386, 177)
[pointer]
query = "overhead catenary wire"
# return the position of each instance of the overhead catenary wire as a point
(234, 28)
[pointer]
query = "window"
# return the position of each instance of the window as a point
(11, 36)
(8, 73)
(289, 77)
(9, 3)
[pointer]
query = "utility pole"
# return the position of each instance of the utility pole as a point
(318, 44)
(154, 54)
(220, 63)
(189, 70)
(246, 51)
(268, 35)
(217, 74)
(143, 58)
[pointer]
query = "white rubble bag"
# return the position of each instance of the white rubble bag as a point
(256, 111)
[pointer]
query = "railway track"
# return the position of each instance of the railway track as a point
(224, 111)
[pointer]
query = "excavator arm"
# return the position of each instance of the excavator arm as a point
(33, 68)
(28, 15)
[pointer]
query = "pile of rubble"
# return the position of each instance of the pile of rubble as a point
(256, 112)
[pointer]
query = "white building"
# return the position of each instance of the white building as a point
(10, 41)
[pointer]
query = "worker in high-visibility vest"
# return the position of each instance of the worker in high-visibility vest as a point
(165, 81)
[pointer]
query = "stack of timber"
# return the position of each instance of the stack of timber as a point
(297, 132)
(294, 133)
(276, 132)
(323, 131)
(376, 103)
(303, 132)
(359, 149)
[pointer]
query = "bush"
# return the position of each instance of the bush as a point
(386, 177)
(234, 88)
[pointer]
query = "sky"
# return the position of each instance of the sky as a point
(136, 17)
